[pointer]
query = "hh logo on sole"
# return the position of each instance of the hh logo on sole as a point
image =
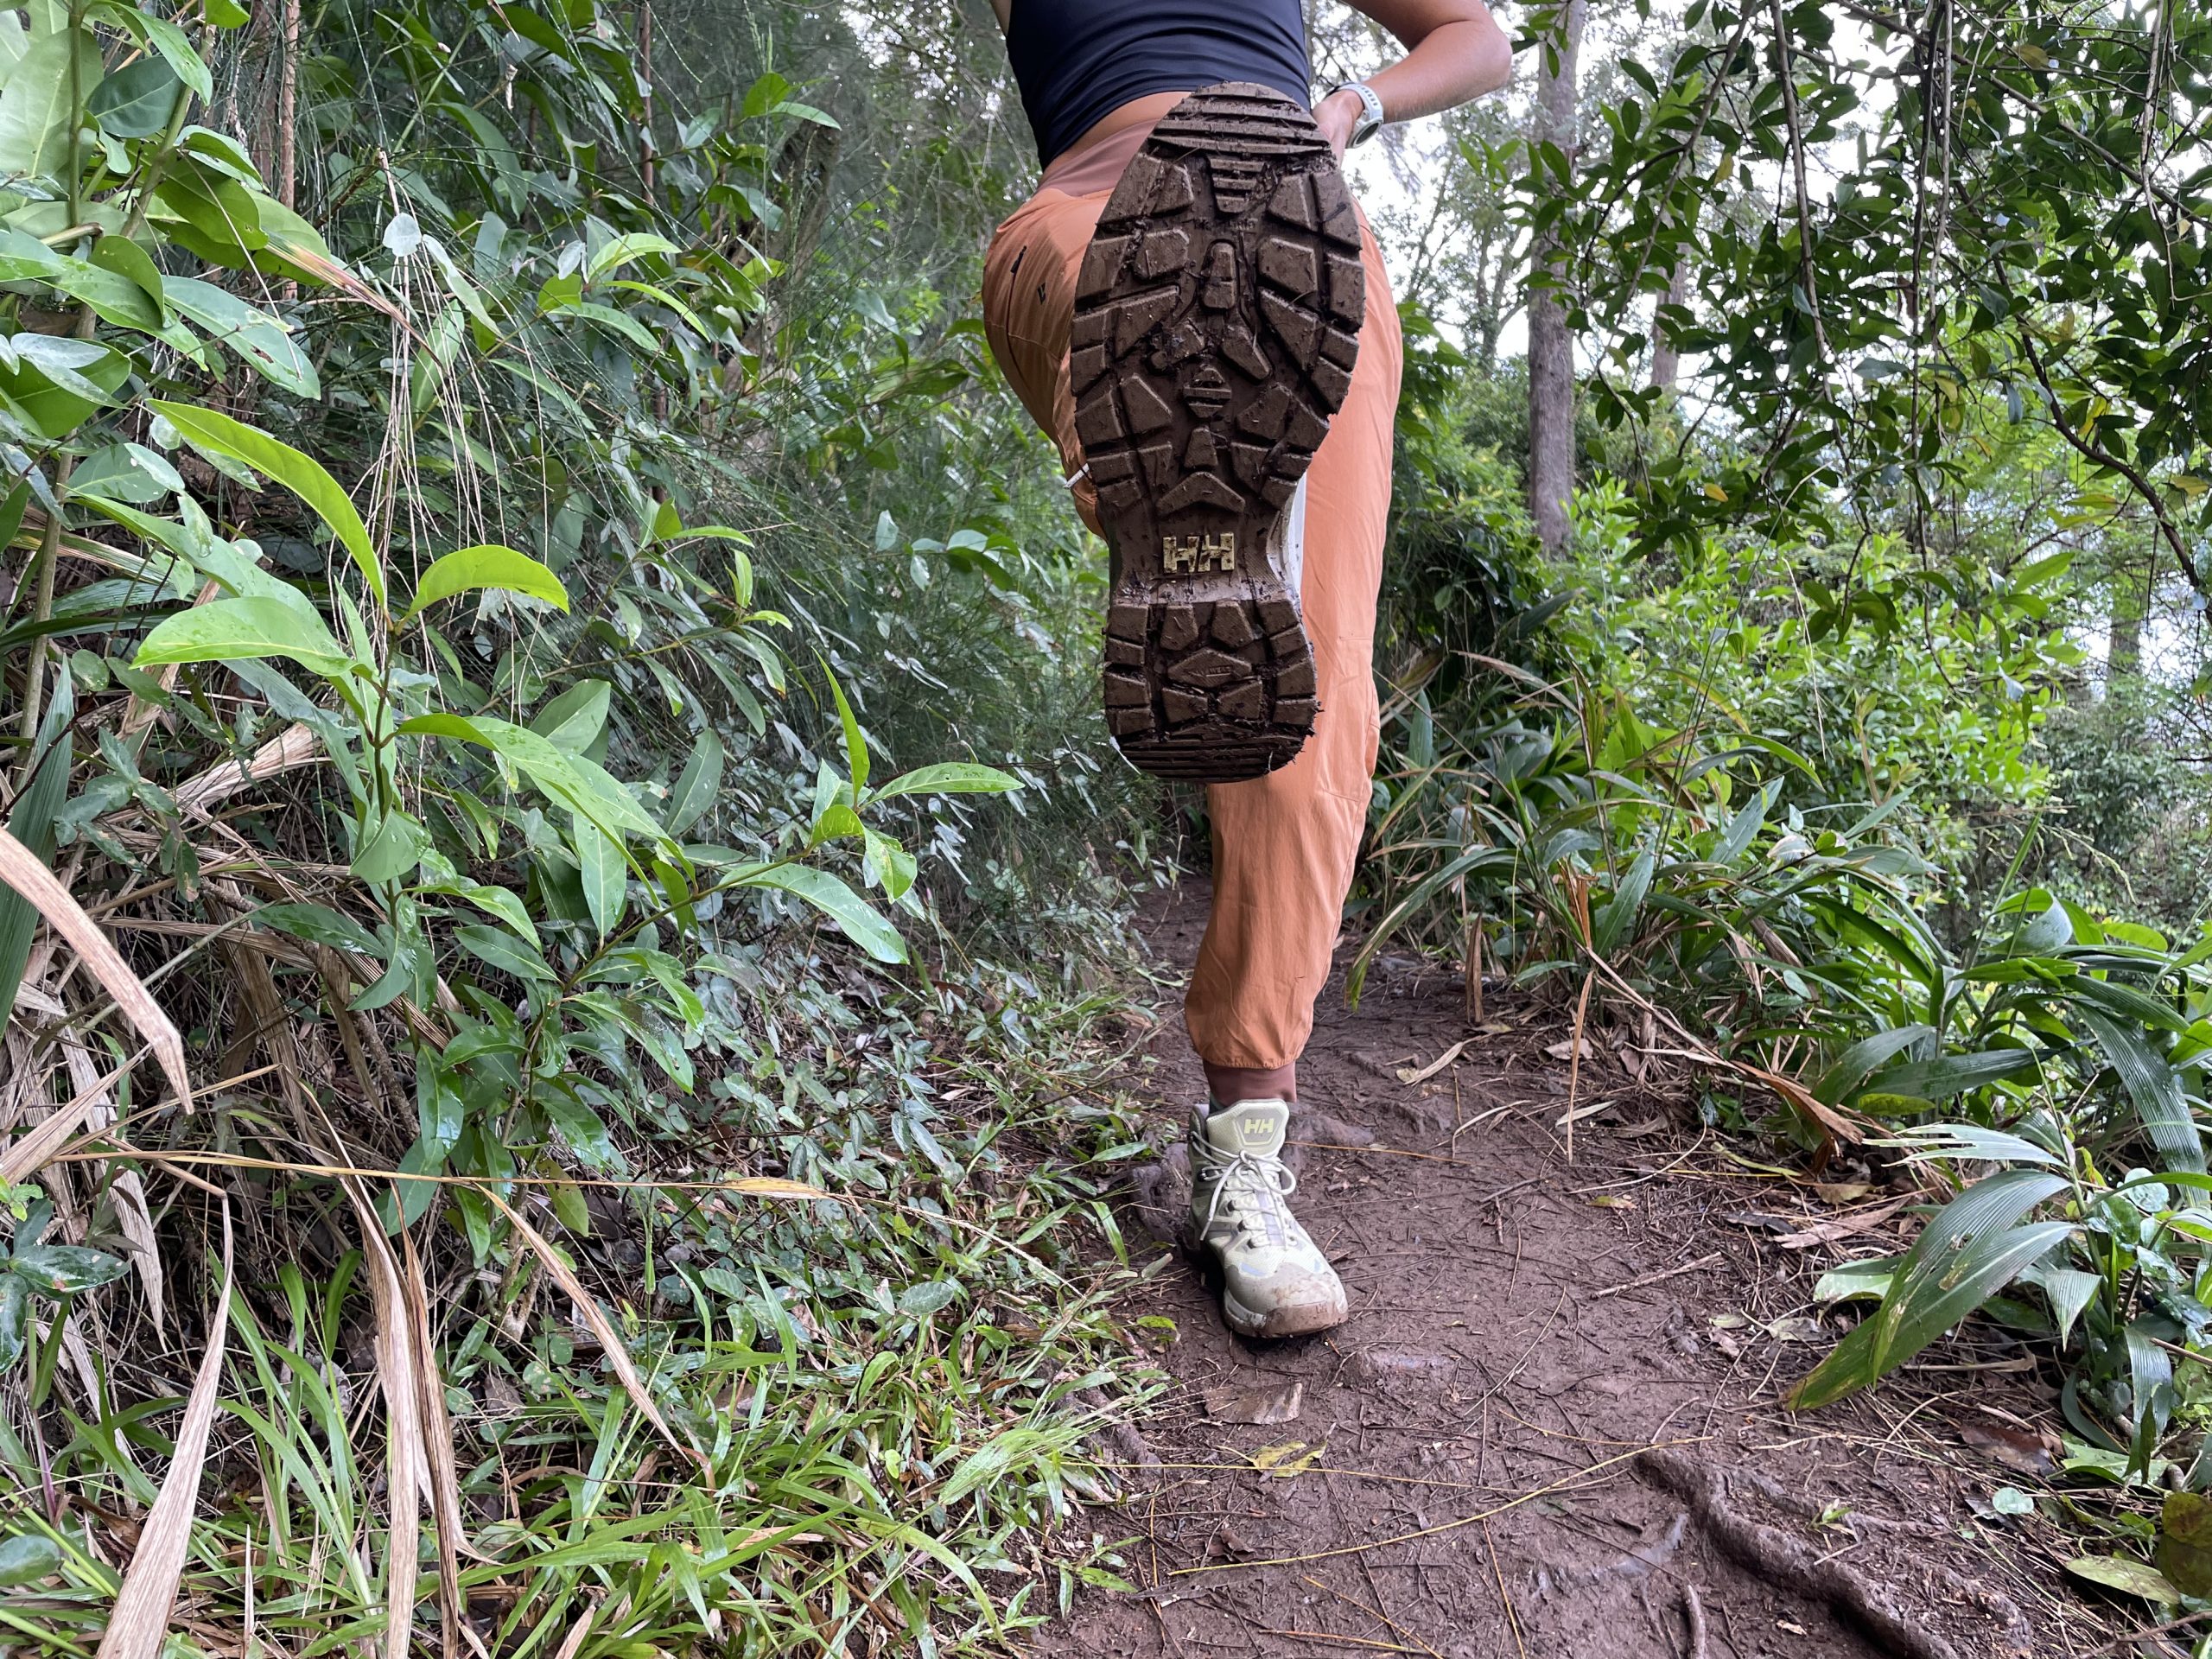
(1191, 555)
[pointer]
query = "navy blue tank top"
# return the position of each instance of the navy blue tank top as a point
(1078, 61)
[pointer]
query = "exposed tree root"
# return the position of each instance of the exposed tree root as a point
(1791, 1564)
(1693, 1619)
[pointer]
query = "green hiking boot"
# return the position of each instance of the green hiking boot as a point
(1275, 1282)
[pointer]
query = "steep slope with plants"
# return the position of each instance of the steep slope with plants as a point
(507, 674)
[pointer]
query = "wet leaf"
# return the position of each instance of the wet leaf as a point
(2186, 1543)
(1256, 1400)
(2126, 1575)
(1288, 1461)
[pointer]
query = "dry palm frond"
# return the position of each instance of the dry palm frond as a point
(296, 745)
(28, 874)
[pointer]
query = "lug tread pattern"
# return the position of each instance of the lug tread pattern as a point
(1217, 320)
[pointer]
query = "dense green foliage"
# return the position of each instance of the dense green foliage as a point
(528, 602)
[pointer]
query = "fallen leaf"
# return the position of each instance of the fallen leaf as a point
(1255, 1401)
(1843, 1192)
(1408, 1074)
(1581, 1112)
(1564, 1049)
(2028, 1450)
(2010, 1500)
(1797, 1327)
(1226, 1545)
(1288, 1461)
(1613, 1201)
(1650, 1126)
(1826, 1232)
(1759, 1221)
(2128, 1576)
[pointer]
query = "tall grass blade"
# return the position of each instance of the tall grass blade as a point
(618, 1351)
(138, 1626)
(31, 821)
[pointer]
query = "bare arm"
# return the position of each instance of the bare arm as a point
(1455, 52)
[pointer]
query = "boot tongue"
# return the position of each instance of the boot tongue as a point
(1259, 1126)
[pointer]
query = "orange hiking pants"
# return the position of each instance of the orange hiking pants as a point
(1284, 845)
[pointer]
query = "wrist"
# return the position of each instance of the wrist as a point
(1359, 106)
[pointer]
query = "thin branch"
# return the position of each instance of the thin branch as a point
(2089, 449)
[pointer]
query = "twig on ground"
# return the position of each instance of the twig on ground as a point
(1655, 1278)
(1575, 1481)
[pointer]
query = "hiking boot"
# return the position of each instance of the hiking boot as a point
(1217, 321)
(1275, 1282)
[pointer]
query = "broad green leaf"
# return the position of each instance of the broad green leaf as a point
(136, 101)
(27, 1557)
(494, 901)
(1853, 1280)
(2069, 1290)
(65, 1269)
(319, 925)
(488, 566)
(856, 918)
(583, 1128)
(1966, 1252)
(261, 341)
(393, 848)
(57, 383)
(575, 782)
(1863, 1058)
(855, 744)
(606, 874)
(304, 477)
(1948, 1075)
(948, 777)
(621, 249)
(228, 628)
(575, 721)
(1617, 918)
(37, 120)
(698, 787)
(2154, 1086)
(888, 864)
(504, 951)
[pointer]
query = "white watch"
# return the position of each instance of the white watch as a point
(1371, 111)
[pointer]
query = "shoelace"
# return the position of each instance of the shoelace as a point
(1262, 1182)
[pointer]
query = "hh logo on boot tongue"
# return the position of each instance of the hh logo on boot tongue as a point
(1256, 1130)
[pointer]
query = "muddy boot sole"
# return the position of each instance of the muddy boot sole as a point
(1217, 323)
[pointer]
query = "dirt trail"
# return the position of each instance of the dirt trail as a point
(1522, 1328)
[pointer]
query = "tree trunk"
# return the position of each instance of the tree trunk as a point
(1551, 348)
(2124, 636)
(1666, 360)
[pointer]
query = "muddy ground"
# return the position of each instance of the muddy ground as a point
(1469, 1470)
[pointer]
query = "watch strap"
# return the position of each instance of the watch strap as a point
(1370, 111)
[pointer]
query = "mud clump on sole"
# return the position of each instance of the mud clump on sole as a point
(1217, 326)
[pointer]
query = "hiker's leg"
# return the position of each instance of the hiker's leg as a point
(1284, 845)
(1028, 307)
